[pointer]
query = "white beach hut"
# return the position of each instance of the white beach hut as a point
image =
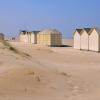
(24, 37)
(85, 38)
(33, 36)
(77, 38)
(94, 39)
(28, 37)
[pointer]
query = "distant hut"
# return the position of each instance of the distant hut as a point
(49, 38)
(1, 36)
(28, 37)
(77, 38)
(85, 38)
(34, 36)
(24, 37)
(94, 39)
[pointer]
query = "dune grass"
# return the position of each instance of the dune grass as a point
(13, 49)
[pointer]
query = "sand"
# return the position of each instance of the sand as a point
(37, 72)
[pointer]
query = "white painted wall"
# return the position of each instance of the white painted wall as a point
(94, 41)
(28, 38)
(84, 40)
(34, 38)
(77, 40)
(24, 38)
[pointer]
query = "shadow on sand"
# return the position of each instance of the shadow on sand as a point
(62, 46)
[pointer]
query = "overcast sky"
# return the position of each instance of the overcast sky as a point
(64, 15)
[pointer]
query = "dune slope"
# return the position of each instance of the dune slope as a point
(44, 73)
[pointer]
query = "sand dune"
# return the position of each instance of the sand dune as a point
(43, 73)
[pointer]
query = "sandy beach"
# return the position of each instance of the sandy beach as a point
(35, 72)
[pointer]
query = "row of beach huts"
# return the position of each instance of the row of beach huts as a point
(87, 39)
(46, 37)
(84, 39)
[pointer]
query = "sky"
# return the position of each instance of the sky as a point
(63, 15)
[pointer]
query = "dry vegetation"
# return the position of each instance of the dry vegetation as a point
(13, 49)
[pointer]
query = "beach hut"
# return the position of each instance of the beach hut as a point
(34, 36)
(1, 36)
(49, 38)
(28, 37)
(94, 39)
(77, 38)
(85, 38)
(24, 37)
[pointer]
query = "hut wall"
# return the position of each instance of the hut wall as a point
(77, 40)
(56, 39)
(33, 39)
(49, 39)
(24, 38)
(94, 44)
(84, 41)
(43, 39)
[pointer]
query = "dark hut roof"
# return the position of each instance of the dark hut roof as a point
(1, 34)
(28, 32)
(79, 30)
(87, 29)
(23, 31)
(35, 32)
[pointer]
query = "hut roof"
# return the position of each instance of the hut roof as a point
(23, 32)
(97, 29)
(1, 34)
(35, 32)
(49, 31)
(27, 32)
(87, 29)
(78, 30)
